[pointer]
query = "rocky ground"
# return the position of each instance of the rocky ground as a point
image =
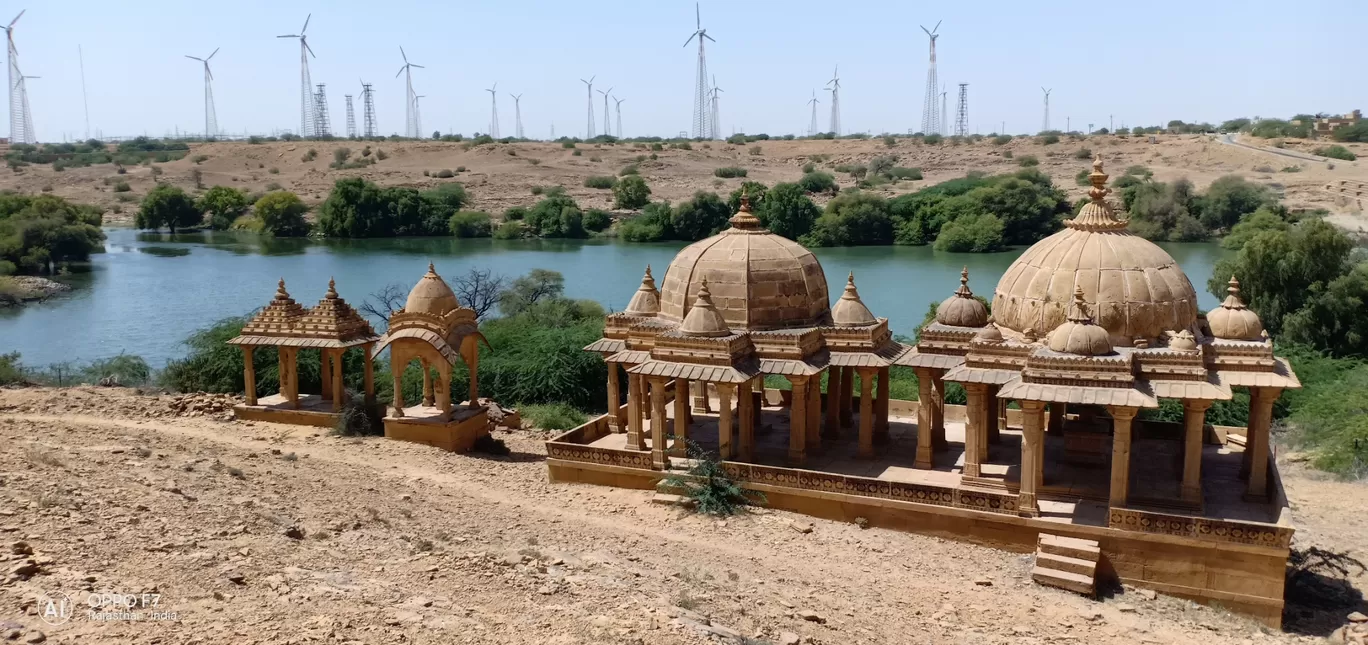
(218, 531)
(16, 290)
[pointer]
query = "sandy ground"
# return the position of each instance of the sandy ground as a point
(502, 175)
(258, 533)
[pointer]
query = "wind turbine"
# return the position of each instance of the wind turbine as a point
(607, 128)
(210, 117)
(835, 88)
(1046, 125)
(517, 115)
(589, 129)
(305, 82)
(412, 123)
(700, 115)
(494, 111)
(713, 117)
(812, 127)
(618, 106)
(21, 122)
(931, 118)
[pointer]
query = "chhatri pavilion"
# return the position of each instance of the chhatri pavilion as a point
(1087, 328)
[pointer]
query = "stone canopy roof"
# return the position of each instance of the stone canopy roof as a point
(332, 324)
(434, 316)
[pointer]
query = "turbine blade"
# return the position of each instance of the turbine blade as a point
(401, 53)
(16, 18)
(691, 37)
(289, 36)
(401, 71)
(928, 31)
(306, 23)
(417, 65)
(937, 27)
(705, 35)
(192, 57)
(698, 17)
(304, 41)
(212, 55)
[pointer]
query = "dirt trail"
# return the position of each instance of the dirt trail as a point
(259, 533)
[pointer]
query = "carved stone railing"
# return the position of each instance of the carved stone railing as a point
(869, 487)
(1201, 528)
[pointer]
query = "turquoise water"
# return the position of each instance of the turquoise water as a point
(148, 291)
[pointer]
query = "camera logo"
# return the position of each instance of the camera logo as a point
(55, 608)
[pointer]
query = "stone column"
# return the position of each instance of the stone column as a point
(1057, 412)
(995, 434)
(293, 366)
(636, 399)
(442, 387)
(1194, 419)
(1121, 452)
(881, 407)
(866, 450)
(248, 375)
(325, 374)
(926, 418)
(847, 387)
(614, 400)
(745, 410)
(658, 459)
(975, 428)
(996, 420)
(397, 370)
(679, 446)
(339, 394)
(701, 403)
(474, 393)
(814, 414)
(724, 419)
(1261, 401)
(1032, 462)
(283, 371)
(427, 382)
(833, 412)
(798, 415)
(938, 441)
(369, 362)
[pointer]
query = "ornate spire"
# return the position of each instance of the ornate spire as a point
(743, 220)
(646, 301)
(1097, 215)
(1079, 335)
(1233, 320)
(431, 269)
(1078, 311)
(962, 309)
(703, 319)
(332, 290)
(963, 290)
(1232, 300)
(850, 311)
(281, 294)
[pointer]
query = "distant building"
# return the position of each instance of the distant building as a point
(1327, 125)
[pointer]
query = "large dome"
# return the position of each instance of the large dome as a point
(431, 296)
(1134, 288)
(758, 280)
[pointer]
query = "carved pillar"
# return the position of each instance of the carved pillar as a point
(679, 446)
(814, 414)
(658, 459)
(833, 412)
(248, 375)
(847, 387)
(866, 413)
(325, 374)
(293, 366)
(442, 389)
(1261, 400)
(745, 410)
(636, 401)
(724, 419)
(427, 382)
(472, 360)
(798, 416)
(338, 393)
(1194, 418)
(701, 403)
(397, 370)
(926, 418)
(369, 362)
(283, 371)
(995, 421)
(975, 428)
(1032, 440)
(881, 408)
(614, 400)
(1121, 451)
(938, 441)
(995, 434)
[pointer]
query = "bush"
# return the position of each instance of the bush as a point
(1002, 139)
(125, 370)
(754, 191)
(381, 155)
(818, 182)
(122, 187)
(1083, 153)
(556, 216)
(358, 208)
(1335, 152)
(653, 225)
(1049, 139)
(1230, 198)
(444, 174)
(310, 155)
(509, 230)
(1028, 161)
(1280, 270)
(786, 210)
(1006, 154)
(515, 213)
(470, 224)
(1333, 316)
(567, 144)
(708, 485)
(631, 192)
(168, 206)
(282, 214)
(703, 215)
(576, 153)
(932, 139)
(977, 233)
(905, 173)
(630, 169)
(1357, 132)
(596, 220)
(729, 172)
(601, 182)
(223, 205)
(553, 416)
(755, 151)
(853, 218)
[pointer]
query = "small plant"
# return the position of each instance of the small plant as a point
(427, 173)
(899, 172)
(273, 186)
(708, 485)
(601, 182)
(1027, 161)
(1006, 154)
(273, 170)
(718, 183)
(654, 156)
(537, 190)
(890, 141)
(729, 172)
(1083, 153)
(535, 162)
(356, 419)
(1001, 139)
(460, 168)
(381, 155)
(656, 147)
(199, 159)
(755, 151)
(1049, 139)
(630, 169)
(567, 144)
(1082, 177)
(444, 174)
(596, 159)
(122, 187)
(932, 139)
(1335, 152)
(576, 153)
(809, 167)
(120, 170)
(553, 416)
(1291, 169)
(681, 145)
(156, 171)
(309, 156)
(488, 445)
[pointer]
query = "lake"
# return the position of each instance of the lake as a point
(148, 291)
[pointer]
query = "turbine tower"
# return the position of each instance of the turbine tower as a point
(412, 125)
(812, 126)
(21, 122)
(517, 115)
(714, 120)
(962, 111)
(417, 114)
(351, 118)
(700, 109)
(945, 127)
(210, 118)
(368, 128)
(1045, 125)
(835, 88)
(617, 105)
(607, 126)
(322, 124)
(494, 111)
(306, 98)
(589, 128)
(931, 118)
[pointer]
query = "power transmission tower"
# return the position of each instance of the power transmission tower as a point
(21, 122)
(367, 110)
(494, 111)
(930, 117)
(962, 111)
(1045, 125)
(714, 116)
(413, 125)
(351, 118)
(517, 115)
(701, 108)
(812, 126)
(617, 105)
(607, 126)
(322, 125)
(306, 97)
(210, 117)
(835, 88)
(589, 128)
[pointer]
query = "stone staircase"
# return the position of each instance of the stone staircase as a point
(1067, 563)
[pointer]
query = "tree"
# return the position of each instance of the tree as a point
(479, 290)
(703, 215)
(631, 192)
(818, 182)
(41, 233)
(556, 215)
(1264, 219)
(537, 286)
(1230, 198)
(282, 214)
(755, 192)
(1333, 318)
(168, 206)
(470, 224)
(359, 208)
(652, 225)
(978, 233)
(1278, 270)
(786, 210)
(223, 204)
(853, 218)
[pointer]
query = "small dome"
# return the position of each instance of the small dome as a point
(1134, 288)
(962, 309)
(1079, 335)
(760, 280)
(850, 311)
(1183, 341)
(1233, 320)
(989, 334)
(431, 296)
(703, 319)
(646, 301)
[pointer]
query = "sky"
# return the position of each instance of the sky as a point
(1136, 64)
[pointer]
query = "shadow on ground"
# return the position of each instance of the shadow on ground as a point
(1318, 594)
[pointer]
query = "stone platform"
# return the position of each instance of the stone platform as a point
(427, 425)
(313, 410)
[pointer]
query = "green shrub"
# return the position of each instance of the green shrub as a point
(703, 215)
(1049, 139)
(567, 144)
(631, 192)
(1006, 154)
(653, 225)
(656, 147)
(125, 369)
(223, 205)
(708, 485)
(596, 220)
(358, 208)
(818, 182)
(122, 187)
(1230, 198)
(282, 214)
(905, 173)
(575, 153)
(470, 224)
(1027, 161)
(754, 191)
(381, 155)
(509, 230)
(1357, 132)
(601, 182)
(755, 151)
(444, 174)
(553, 416)
(1083, 153)
(809, 167)
(889, 141)
(1002, 139)
(852, 218)
(1335, 152)
(976, 233)
(786, 210)
(932, 139)
(556, 216)
(309, 156)
(515, 213)
(729, 172)
(167, 206)
(630, 169)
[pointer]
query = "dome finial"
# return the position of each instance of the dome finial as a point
(1233, 300)
(1097, 215)
(963, 290)
(1078, 311)
(704, 319)
(962, 309)
(744, 220)
(332, 289)
(280, 290)
(1079, 335)
(432, 269)
(1098, 179)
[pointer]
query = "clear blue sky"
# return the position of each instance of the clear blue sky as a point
(1144, 63)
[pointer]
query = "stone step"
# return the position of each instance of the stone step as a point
(1087, 568)
(1063, 580)
(1068, 547)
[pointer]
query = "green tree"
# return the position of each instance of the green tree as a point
(1230, 198)
(755, 191)
(786, 210)
(39, 234)
(1264, 219)
(223, 205)
(818, 182)
(703, 215)
(470, 224)
(977, 233)
(537, 286)
(282, 214)
(557, 216)
(1357, 132)
(1333, 318)
(1278, 270)
(652, 225)
(359, 208)
(596, 220)
(168, 206)
(631, 192)
(853, 218)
